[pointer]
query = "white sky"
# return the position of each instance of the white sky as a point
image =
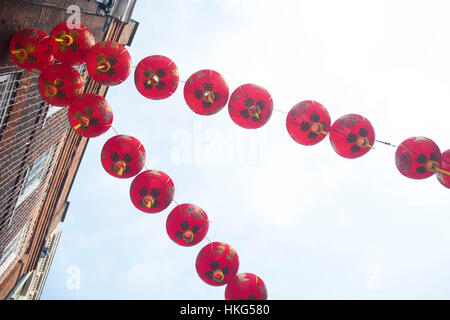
(311, 224)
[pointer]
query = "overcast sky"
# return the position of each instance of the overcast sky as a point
(310, 223)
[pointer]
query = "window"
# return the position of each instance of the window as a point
(6, 93)
(44, 252)
(35, 174)
(81, 68)
(104, 5)
(13, 249)
(50, 112)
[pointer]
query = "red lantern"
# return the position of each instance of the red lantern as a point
(352, 136)
(187, 224)
(443, 177)
(217, 263)
(73, 44)
(152, 191)
(417, 157)
(156, 77)
(250, 106)
(123, 156)
(108, 63)
(60, 84)
(32, 49)
(206, 92)
(308, 122)
(90, 115)
(246, 286)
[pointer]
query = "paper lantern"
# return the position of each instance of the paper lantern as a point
(90, 115)
(444, 178)
(417, 157)
(32, 49)
(156, 77)
(352, 136)
(308, 122)
(123, 156)
(152, 191)
(60, 84)
(108, 63)
(206, 92)
(187, 224)
(246, 286)
(250, 106)
(217, 263)
(73, 44)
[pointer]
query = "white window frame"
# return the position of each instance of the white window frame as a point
(6, 92)
(51, 110)
(81, 68)
(28, 187)
(13, 249)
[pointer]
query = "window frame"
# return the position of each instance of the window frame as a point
(29, 186)
(51, 111)
(7, 83)
(13, 249)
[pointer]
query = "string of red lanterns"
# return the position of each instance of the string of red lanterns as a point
(206, 93)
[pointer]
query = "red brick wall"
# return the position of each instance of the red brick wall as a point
(24, 128)
(23, 138)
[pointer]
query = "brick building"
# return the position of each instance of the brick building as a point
(39, 153)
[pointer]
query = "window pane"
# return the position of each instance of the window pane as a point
(37, 169)
(13, 248)
(6, 85)
(36, 174)
(10, 248)
(52, 110)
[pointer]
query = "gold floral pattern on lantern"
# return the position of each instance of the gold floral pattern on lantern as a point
(23, 52)
(105, 111)
(105, 65)
(68, 41)
(51, 89)
(89, 40)
(85, 119)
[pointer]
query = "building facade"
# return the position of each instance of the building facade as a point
(39, 152)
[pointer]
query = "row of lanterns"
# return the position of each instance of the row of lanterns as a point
(206, 93)
(123, 156)
(152, 191)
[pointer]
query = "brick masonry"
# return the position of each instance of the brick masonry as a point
(26, 134)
